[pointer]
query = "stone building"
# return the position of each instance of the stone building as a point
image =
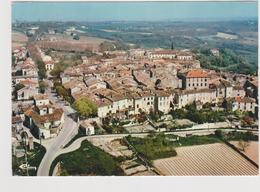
(43, 117)
(195, 79)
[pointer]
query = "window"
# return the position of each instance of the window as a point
(205, 84)
(201, 84)
(148, 103)
(205, 80)
(137, 106)
(189, 85)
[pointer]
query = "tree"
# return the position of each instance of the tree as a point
(61, 91)
(42, 86)
(17, 87)
(247, 120)
(243, 145)
(42, 69)
(219, 133)
(13, 60)
(85, 107)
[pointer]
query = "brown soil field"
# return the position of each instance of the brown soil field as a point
(251, 151)
(18, 39)
(66, 43)
(206, 160)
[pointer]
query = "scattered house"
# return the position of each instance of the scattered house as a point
(20, 54)
(184, 56)
(198, 105)
(137, 53)
(244, 104)
(49, 65)
(163, 101)
(162, 54)
(195, 79)
(26, 93)
(30, 143)
(186, 97)
(224, 89)
(95, 82)
(17, 123)
(145, 103)
(238, 91)
(87, 128)
(215, 52)
(104, 107)
(43, 117)
(51, 31)
(251, 87)
(29, 68)
(18, 79)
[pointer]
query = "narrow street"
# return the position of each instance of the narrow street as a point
(68, 131)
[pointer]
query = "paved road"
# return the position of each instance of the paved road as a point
(68, 131)
(77, 143)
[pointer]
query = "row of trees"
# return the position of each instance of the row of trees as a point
(205, 115)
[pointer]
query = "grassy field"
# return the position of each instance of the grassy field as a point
(34, 159)
(237, 136)
(162, 146)
(87, 160)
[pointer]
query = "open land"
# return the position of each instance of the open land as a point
(251, 150)
(212, 159)
(18, 39)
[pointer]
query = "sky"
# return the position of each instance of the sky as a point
(132, 11)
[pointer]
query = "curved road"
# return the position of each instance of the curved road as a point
(69, 130)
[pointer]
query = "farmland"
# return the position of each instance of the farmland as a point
(18, 39)
(202, 160)
(251, 151)
(67, 43)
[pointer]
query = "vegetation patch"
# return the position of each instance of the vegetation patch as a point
(227, 60)
(236, 136)
(85, 107)
(205, 115)
(162, 146)
(34, 158)
(87, 160)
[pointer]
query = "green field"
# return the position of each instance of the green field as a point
(34, 159)
(162, 146)
(87, 160)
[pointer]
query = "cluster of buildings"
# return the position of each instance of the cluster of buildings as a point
(154, 81)
(30, 108)
(24, 73)
(125, 83)
(43, 117)
(47, 60)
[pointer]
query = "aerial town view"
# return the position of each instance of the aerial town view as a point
(134, 89)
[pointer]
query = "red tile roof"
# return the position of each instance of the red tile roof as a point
(197, 74)
(245, 100)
